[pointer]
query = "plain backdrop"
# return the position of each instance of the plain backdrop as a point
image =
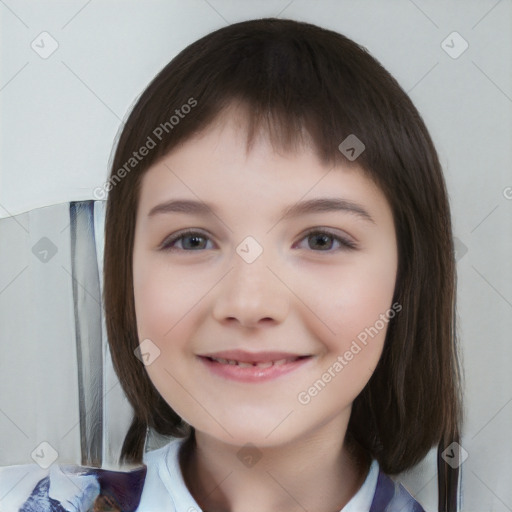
(69, 73)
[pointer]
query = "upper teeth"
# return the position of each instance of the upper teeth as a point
(265, 364)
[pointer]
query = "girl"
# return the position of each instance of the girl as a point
(210, 268)
(279, 280)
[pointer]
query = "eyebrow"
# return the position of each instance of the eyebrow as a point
(310, 206)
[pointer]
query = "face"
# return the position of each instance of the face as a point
(258, 277)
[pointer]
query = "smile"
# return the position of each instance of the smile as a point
(245, 369)
(265, 364)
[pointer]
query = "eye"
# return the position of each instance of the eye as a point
(323, 240)
(194, 241)
(191, 241)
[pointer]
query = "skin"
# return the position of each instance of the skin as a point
(298, 296)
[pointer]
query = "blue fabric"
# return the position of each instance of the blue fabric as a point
(39, 501)
(391, 496)
(122, 490)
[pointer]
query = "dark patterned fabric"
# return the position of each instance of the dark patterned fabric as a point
(391, 496)
(119, 490)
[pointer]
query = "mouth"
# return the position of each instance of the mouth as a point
(252, 367)
(262, 364)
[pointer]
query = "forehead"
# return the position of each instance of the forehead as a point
(217, 166)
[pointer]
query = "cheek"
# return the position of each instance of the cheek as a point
(353, 299)
(151, 296)
(164, 308)
(353, 308)
(357, 313)
(163, 299)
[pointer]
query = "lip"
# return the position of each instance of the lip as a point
(252, 357)
(253, 373)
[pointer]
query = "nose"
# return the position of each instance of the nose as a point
(251, 294)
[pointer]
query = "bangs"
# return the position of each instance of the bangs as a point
(299, 89)
(282, 129)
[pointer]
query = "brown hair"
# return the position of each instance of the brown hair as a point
(299, 80)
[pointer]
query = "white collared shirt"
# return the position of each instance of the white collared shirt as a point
(165, 489)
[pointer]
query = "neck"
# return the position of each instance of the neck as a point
(319, 472)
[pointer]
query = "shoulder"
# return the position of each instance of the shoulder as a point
(165, 488)
(392, 496)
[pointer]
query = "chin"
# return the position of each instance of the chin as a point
(241, 435)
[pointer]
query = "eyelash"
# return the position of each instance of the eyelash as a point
(346, 244)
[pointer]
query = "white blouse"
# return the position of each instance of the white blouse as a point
(165, 489)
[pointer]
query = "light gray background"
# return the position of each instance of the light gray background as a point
(59, 119)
